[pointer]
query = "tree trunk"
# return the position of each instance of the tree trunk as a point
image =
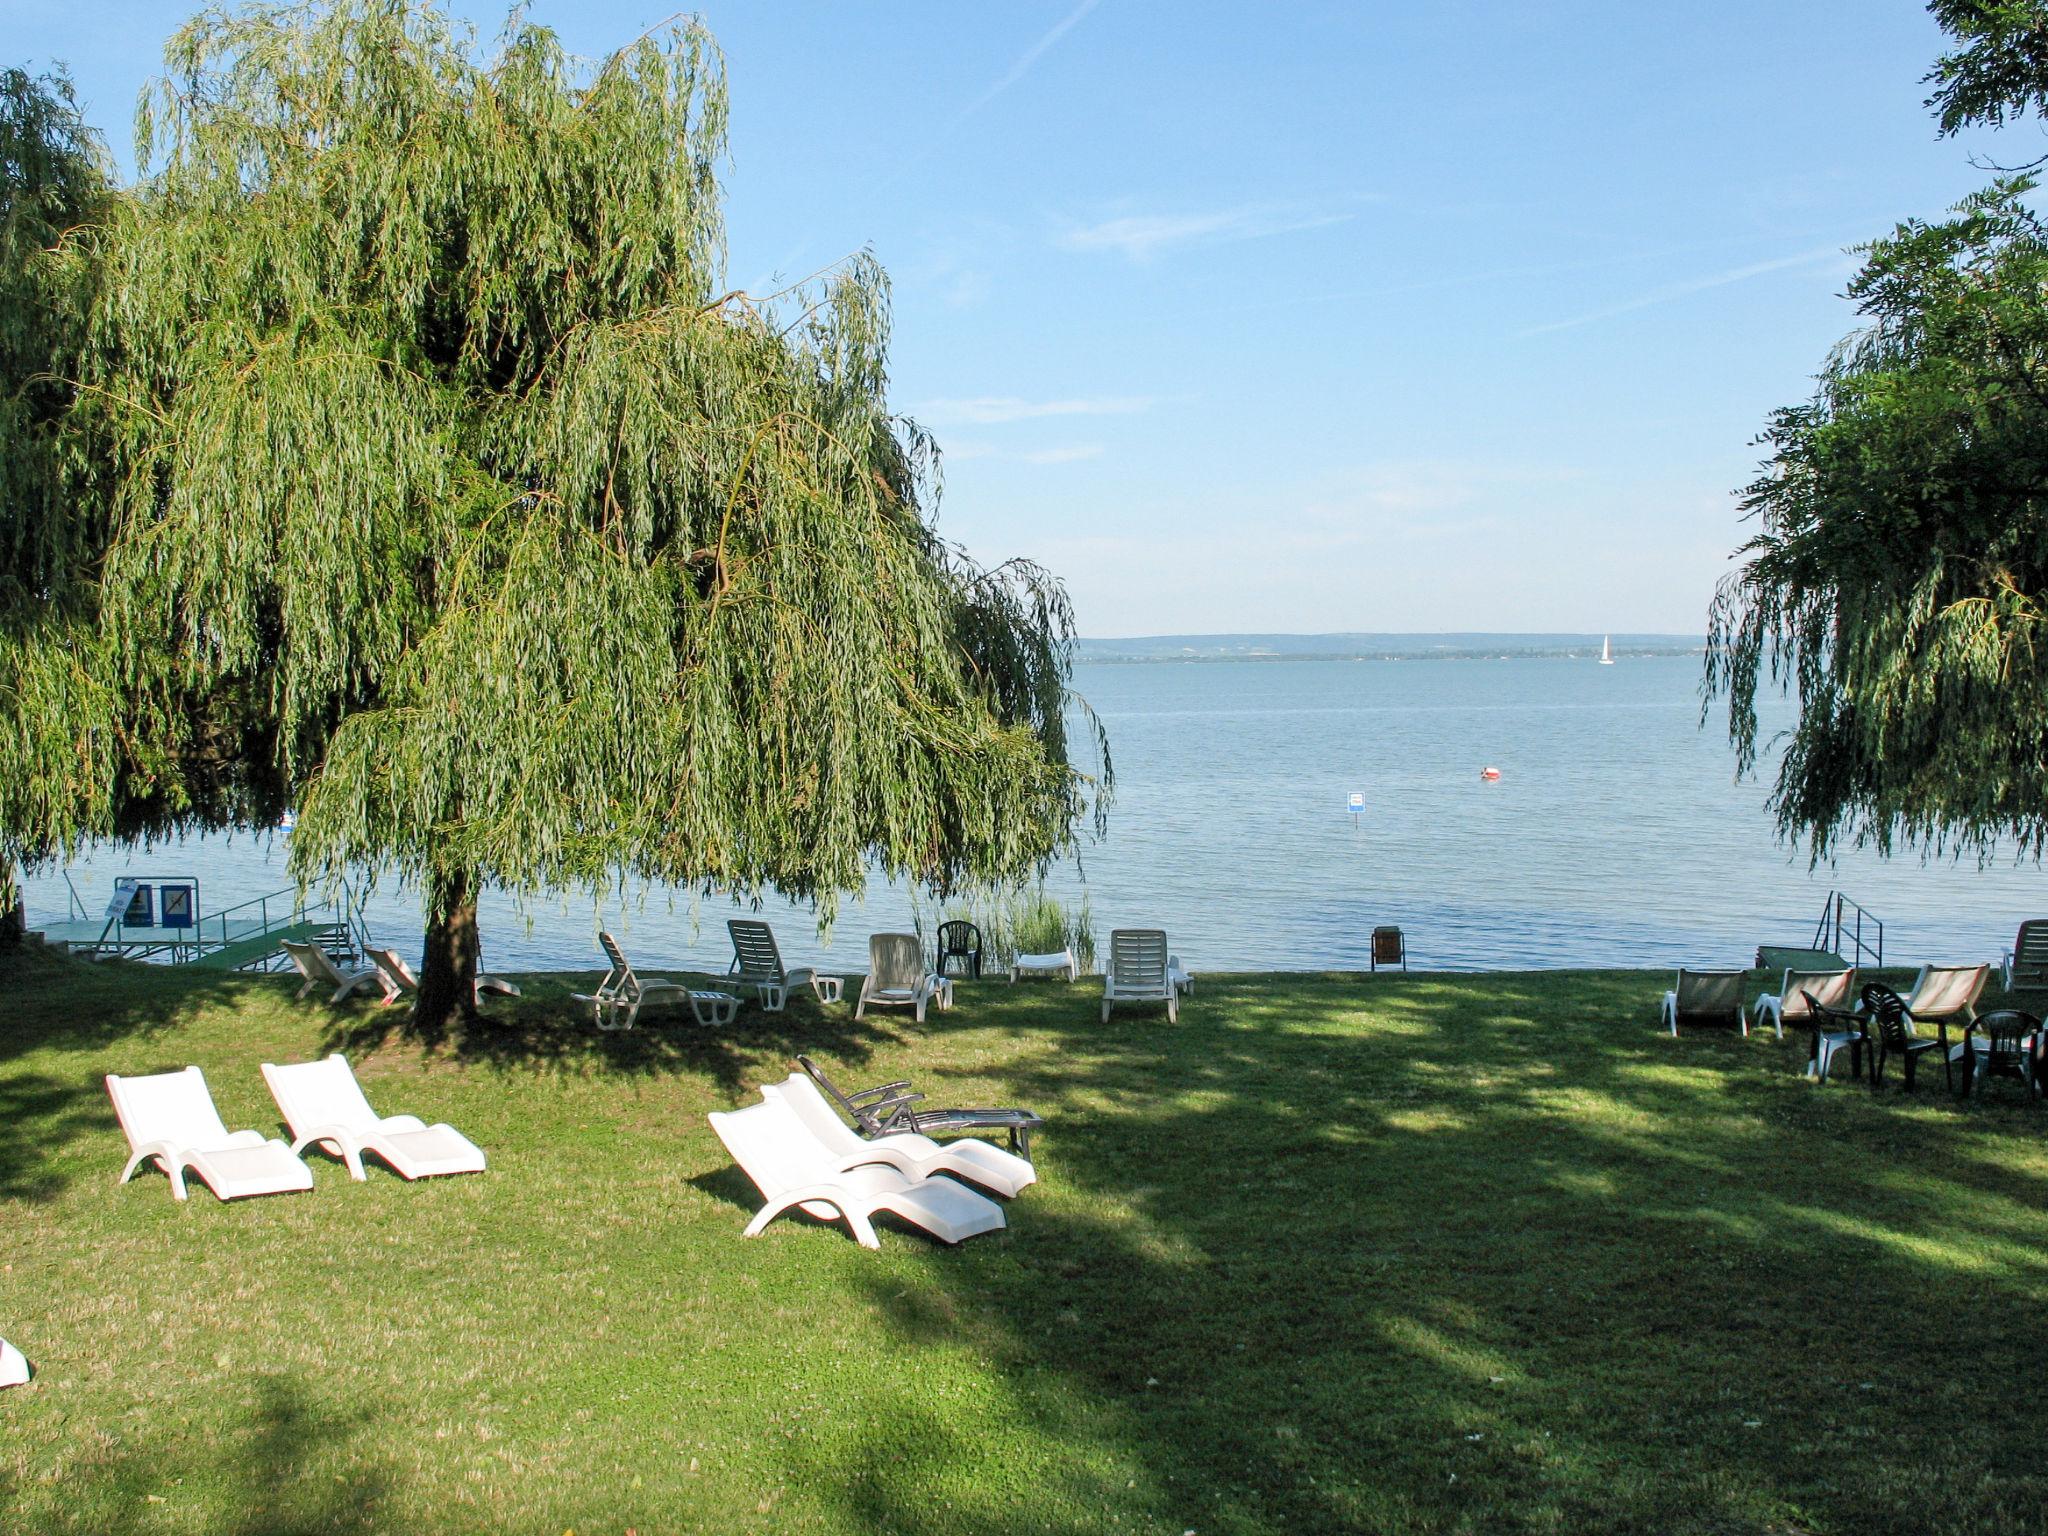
(448, 971)
(13, 914)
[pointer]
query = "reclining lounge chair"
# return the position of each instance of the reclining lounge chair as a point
(1141, 970)
(897, 977)
(757, 963)
(1706, 997)
(890, 1110)
(322, 1102)
(914, 1155)
(398, 978)
(792, 1168)
(617, 1002)
(319, 969)
(1831, 989)
(170, 1118)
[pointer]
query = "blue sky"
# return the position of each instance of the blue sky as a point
(1316, 316)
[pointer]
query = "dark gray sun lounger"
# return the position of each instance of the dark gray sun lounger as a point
(891, 1107)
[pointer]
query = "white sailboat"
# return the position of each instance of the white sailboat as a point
(1606, 659)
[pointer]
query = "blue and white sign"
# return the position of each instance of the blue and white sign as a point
(1356, 803)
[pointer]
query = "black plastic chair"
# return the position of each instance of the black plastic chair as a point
(2001, 1044)
(1833, 1029)
(1890, 1023)
(960, 941)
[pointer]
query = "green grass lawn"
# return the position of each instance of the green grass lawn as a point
(1376, 1253)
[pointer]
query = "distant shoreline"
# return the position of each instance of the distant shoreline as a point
(1460, 647)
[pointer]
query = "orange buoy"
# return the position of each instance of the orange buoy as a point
(1489, 773)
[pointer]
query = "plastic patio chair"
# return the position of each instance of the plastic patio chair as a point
(2002, 1043)
(959, 940)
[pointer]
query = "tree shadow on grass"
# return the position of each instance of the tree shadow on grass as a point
(57, 1001)
(1500, 1258)
(290, 1464)
(545, 1030)
(38, 1111)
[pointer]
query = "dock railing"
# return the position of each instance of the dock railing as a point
(1847, 930)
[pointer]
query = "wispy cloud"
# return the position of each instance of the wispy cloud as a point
(1675, 291)
(1143, 236)
(1073, 453)
(991, 410)
(1023, 66)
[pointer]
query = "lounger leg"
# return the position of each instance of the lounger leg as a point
(177, 1172)
(863, 1230)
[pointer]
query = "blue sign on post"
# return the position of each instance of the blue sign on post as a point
(1356, 804)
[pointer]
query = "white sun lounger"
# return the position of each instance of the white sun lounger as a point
(792, 1168)
(398, 979)
(170, 1117)
(1831, 989)
(1141, 970)
(897, 978)
(908, 1152)
(13, 1366)
(1947, 992)
(757, 963)
(321, 1101)
(617, 1002)
(1706, 997)
(319, 969)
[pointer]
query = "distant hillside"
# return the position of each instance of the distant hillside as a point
(1351, 647)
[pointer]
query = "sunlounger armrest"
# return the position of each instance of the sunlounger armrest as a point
(339, 1136)
(831, 1194)
(889, 1113)
(168, 1152)
(882, 1092)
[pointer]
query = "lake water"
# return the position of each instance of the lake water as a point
(1615, 836)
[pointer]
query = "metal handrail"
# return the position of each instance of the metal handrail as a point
(1835, 915)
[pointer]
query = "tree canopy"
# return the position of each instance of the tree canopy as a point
(1898, 577)
(2000, 73)
(425, 474)
(1895, 584)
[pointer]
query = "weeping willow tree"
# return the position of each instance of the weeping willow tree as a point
(53, 190)
(1897, 581)
(451, 496)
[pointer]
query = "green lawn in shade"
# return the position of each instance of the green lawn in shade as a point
(1380, 1253)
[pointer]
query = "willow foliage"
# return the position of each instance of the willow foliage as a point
(1897, 581)
(448, 492)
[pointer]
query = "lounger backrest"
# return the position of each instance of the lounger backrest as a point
(323, 965)
(296, 953)
(392, 964)
(863, 1118)
(1711, 994)
(2030, 954)
(174, 1107)
(315, 1093)
(896, 961)
(772, 1146)
(809, 1106)
(1830, 989)
(754, 952)
(1386, 945)
(1137, 957)
(1946, 989)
